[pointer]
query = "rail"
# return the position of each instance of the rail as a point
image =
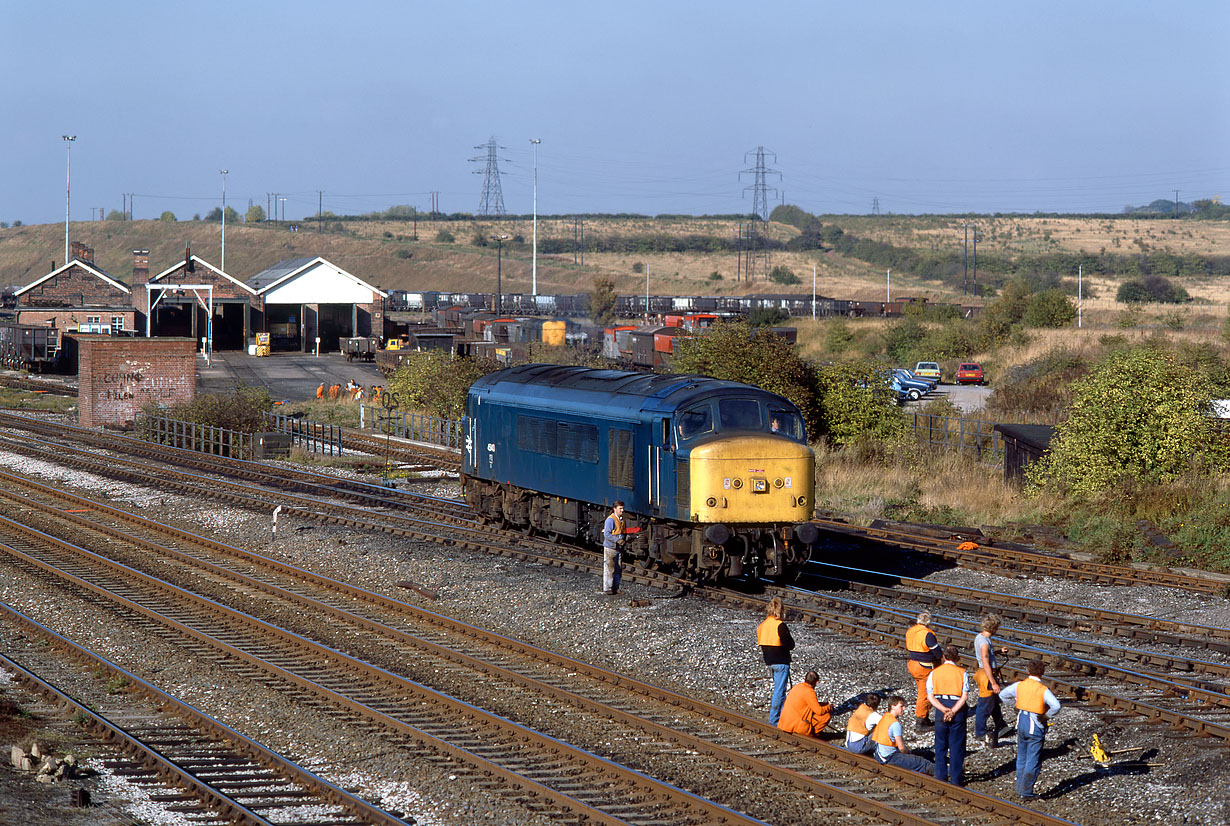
(203, 438)
(312, 436)
(976, 437)
(413, 426)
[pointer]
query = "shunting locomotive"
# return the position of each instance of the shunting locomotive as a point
(717, 476)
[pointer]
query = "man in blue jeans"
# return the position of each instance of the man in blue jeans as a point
(775, 644)
(1035, 707)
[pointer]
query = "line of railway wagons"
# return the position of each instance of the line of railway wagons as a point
(577, 305)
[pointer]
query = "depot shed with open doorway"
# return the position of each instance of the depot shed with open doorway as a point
(309, 298)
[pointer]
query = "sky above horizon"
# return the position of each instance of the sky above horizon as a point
(641, 107)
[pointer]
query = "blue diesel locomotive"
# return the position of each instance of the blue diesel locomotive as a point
(716, 475)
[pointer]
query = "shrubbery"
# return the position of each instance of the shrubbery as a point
(1151, 288)
(436, 382)
(241, 410)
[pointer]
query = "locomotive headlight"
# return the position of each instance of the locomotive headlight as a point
(777, 483)
(760, 486)
(736, 483)
(711, 501)
(802, 501)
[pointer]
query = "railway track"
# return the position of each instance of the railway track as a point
(995, 557)
(203, 769)
(660, 725)
(1096, 671)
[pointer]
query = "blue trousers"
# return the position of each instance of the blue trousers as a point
(1028, 757)
(781, 682)
(950, 747)
(988, 707)
(910, 761)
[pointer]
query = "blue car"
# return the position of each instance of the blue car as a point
(915, 389)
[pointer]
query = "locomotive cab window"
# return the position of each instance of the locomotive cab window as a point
(695, 421)
(740, 414)
(787, 423)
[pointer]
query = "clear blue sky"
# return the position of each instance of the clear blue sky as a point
(641, 106)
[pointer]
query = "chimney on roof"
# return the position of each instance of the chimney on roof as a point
(81, 251)
(140, 266)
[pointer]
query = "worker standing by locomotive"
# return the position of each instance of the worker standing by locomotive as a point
(1035, 707)
(948, 693)
(988, 680)
(613, 534)
(775, 643)
(924, 649)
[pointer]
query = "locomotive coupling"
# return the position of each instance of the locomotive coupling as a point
(807, 533)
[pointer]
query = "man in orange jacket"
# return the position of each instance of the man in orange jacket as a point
(924, 649)
(802, 712)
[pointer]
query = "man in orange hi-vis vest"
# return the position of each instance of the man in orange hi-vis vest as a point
(923, 647)
(803, 713)
(948, 694)
(1035, 707)
(775, 643)
(890, 740)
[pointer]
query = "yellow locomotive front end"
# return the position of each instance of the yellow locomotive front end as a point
(755, 479)
(752, 498)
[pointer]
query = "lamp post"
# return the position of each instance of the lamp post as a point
(282, 201)
(534, 279)
(499, 286)
(223, 171)
(68, 170)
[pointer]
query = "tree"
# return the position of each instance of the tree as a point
(116, 215)
(232, 215)
(214, 214)
(255, 214)
(1139, 416)
(738, 352)
(1049, 308)
(856, 403)
(767, 317)
(602, 300)
(436, 382)
(167, 217)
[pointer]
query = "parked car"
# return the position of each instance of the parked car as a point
(914, 388)
(969, 372)
(929, 370)
(912, 376)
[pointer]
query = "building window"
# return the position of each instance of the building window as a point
(117, 323)
(93, 319)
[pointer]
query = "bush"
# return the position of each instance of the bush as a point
(1151, 288)
(404, 253)
(167, 217)
(856, 404)
(241, 410)
(436, 382)
(715, 276)
(783, 275)
(1139, 418)
(602, 300)
(767, 317)
(638, 267)
(1049, 308)
(445, 237)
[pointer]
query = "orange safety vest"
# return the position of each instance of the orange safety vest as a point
(858, 720)
(880, 735)
(916, 643)
(769, 632)
(1031, 696)
(984, 683)
(619, 525)
(948, 680)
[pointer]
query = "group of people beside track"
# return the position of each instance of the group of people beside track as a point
(943, 686)
(351, 391)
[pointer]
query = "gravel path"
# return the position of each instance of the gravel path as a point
(685, 644)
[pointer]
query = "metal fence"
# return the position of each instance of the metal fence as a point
(311, 436)
(415, 426)
(975, 437)
(203, 438)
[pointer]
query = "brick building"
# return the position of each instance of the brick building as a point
(307, 298)
(79, 297)
(118, 376)
(186, 297)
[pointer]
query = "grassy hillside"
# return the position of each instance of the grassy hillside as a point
(386, 254)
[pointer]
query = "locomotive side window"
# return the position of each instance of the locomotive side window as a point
(785, 422)
(569, 440)
(695, 421)
(620, 472)
(740, 414)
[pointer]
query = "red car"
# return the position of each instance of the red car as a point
(969, 373)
